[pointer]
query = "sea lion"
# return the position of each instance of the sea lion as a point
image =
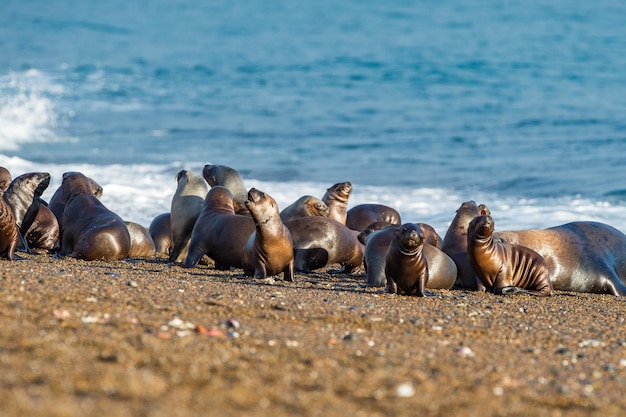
(230, 178)
(336, 198)
(442, 269)
(269, 249)
(43, 233)
(187, 203)
(5, 179)
(581, 256)
(57, 201)
(160, 230)
(362, 215)
(505, 267)
(455, 245)
(90, 231)
(321, 241)
(23, 195)
(141, 243)
(8, 231)
(219, 233)
(406, 269)
(304, 206)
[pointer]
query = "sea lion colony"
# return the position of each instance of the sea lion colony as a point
(246, 230)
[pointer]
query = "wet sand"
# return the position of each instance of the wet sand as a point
(140, 338)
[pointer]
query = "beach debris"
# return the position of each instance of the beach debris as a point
(465, 352)
(591, 343)
(61, 314)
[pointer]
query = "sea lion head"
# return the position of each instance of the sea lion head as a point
(482, 226)
(410, 237)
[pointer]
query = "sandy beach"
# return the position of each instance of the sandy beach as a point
(141, 338)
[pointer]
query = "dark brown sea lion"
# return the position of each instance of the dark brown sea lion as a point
(336, 198)
(8, 231)
(581, 256)
(141, 243)
(160, 230)
(57, 201)
(90, 231)
(442, 270)
(5, 179)
(187, 203)
(269, 249)
(361, 216)
(43, 233)
(219, 233)
(505, 267)
(230, 178)
(321, 241)
(304, 206)
(455, 245)
(406, 269)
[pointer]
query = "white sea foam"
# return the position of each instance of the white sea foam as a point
(140, 192)
(27, 111)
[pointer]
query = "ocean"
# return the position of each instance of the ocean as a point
(422, 105)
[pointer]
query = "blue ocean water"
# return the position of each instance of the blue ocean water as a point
(421, 105)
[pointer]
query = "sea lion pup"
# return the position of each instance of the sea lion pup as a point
(57, 201)
(336, 198)
(141, 243)
(321, 241)
(43, 233)
(90, 231)
(8, 231)
(219, 233)
(455, 245)
(442, 269)
(160, 230)
(230, 178)
(582, 256)
(406, 269)
(304, 206)
(186, 205)
(5, 179)
(362, 215)
(504, 267)
(269, 249)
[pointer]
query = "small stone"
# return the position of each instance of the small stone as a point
(465, 352)
(591, 343)
(132, 284)
(405, 390)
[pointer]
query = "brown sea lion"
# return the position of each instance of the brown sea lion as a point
(5, 179)
(361, 216)
(187, 203)
(141, 243)
(504, 267)
(336, 198)
(321, 241)
(160, 230)
(8, 231)
(455, 245)
(219, 233)
(442, 270)
(269, 249)
(230, 178)
(304, 206)
(43, 233)
(90, 231)
(581, 256)
(57, 201)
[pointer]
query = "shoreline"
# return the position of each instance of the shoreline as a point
(139, 337)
